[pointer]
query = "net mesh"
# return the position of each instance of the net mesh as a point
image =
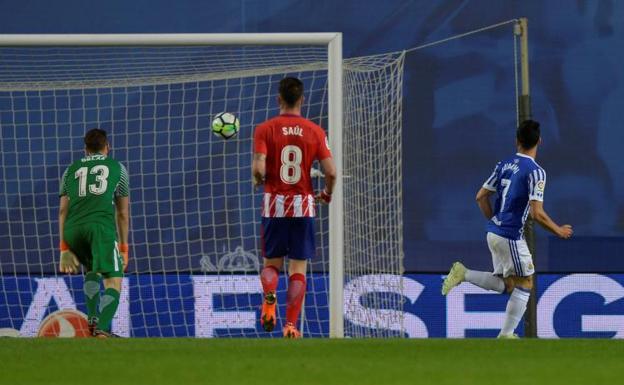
(195, 242)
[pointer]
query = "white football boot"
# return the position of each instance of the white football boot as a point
(455, 276)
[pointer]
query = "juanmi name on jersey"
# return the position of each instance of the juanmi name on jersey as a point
(511, 166)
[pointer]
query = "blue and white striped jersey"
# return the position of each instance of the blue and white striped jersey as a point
(516, 181)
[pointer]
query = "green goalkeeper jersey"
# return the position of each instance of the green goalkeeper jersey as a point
(91, 184)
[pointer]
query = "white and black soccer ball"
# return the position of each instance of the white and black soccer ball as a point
(225, 125)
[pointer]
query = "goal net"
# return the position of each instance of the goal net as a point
(194, 233)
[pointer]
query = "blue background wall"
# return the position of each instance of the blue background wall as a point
(459, 103)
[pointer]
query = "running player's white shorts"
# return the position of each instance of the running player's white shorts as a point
(510, 257)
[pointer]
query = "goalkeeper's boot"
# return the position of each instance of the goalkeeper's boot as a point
(268, 319)
(290, 331)
(512, 336)
(93, 321)
(455, 276)
(104, 334)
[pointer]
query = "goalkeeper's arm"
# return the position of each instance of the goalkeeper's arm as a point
(122, 218)
(68, 262)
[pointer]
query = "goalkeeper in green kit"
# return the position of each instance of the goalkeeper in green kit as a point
(93, 224)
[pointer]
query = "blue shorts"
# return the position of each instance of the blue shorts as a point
(291, 237)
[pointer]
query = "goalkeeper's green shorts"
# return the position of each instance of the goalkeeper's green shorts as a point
(95, 245)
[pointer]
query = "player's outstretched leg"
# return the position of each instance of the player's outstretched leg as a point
(485, 280)
(295, 295)
(108, 306)
(91, 289)
(269, 277)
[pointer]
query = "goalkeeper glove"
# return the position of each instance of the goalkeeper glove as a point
(69, 263)
(323, 197)
(123, 249)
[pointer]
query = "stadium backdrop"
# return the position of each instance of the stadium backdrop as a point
(577, 91)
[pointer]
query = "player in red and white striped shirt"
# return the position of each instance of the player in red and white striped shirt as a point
(284, 149)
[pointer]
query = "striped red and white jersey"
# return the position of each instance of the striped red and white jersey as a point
(291, 143)
(279, 205)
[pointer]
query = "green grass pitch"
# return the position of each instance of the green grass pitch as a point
(310, 361)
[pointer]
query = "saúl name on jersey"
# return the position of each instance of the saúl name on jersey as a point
(296, 130)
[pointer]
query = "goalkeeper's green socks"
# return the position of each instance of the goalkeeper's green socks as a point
(108, 308)
(92, 293)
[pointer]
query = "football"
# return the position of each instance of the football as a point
(225, 125)
(65, 323)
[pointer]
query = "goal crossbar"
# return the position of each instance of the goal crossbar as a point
(187, 39)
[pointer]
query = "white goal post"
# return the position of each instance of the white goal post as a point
(331, 96)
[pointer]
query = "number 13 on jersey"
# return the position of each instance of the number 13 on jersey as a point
(101, 175)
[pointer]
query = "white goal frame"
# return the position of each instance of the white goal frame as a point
(333, 41)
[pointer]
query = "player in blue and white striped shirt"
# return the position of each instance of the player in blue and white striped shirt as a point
(518, 183)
